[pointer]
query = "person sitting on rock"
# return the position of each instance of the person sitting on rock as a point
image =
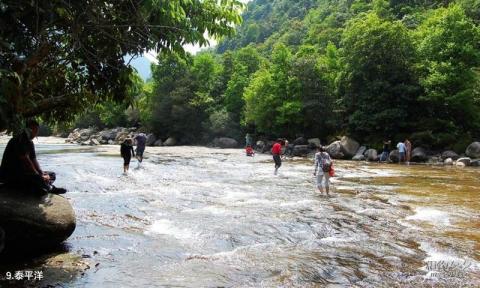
(20, 168)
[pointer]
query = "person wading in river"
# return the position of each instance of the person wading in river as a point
(141, 140)
(276, 152)
(323, 164)
(126, 150)
(20, 168)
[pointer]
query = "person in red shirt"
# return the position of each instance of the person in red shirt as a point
(276, 152)
(249, 151)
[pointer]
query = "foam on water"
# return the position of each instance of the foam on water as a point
(167, 227)
(431, 215)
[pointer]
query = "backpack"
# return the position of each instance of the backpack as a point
(326, 164)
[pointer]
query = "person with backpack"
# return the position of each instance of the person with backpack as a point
(323, 165)
(126, 151)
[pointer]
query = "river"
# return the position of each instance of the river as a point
(201, 217)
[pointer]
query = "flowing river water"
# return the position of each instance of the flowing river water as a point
(201, 217)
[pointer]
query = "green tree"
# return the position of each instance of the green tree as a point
(59, 57)
(448, 47)
(378, 85)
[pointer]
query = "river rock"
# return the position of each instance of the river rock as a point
(34, 221)
(225, 142)
(314, 142)
(450, 154)
(460, 164)
(259, 145)
(94, 142)
(300, 141)
(473, 150)
(335, 150)
(358, 157)
(394, 156)
(300, 150)
(159, 142)
(419, 155)
(349, 146)
(171, 141)
(475, 163)
(465, 160)
(108, 135)
(371, 155)
(150, 139)
(448, 161)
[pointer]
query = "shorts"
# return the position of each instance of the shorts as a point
(140, 151)
(401, 155)
(126, 160)
(278, 161)
(320, 176)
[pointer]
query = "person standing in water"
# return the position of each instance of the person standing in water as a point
(401, 152)
(126, 150)
(408, 146)
(276, 152)
(248, 140)
(323, 164)
(140, 140)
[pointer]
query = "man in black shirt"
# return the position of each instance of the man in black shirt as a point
(20, 168)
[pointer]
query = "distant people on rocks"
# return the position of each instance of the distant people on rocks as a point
(20, 168)
(276, 152)
(126, 150)
(385, 151)
(323, 165)
(401, 152)
(248, 140)
(249, 151)
(140, 141)
(408, 147)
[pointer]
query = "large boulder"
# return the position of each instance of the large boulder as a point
(171, 141)
(473, 150)
(359, 156)
(300, 141)
(150, 139)
(349, 146)
(475, 163)
(335, 150)
(314, 142)
(108, 134)
(260, 145)
(465, 160)
(394, 156)
(371, 155)
(31, 220)
(224, 142)
(419, 155)
(449, 154)
(448, 161)
(159, 142)
(300, 150)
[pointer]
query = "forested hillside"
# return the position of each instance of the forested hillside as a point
(369, 69)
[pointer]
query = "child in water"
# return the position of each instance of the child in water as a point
(126, 150)
(249, 151)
